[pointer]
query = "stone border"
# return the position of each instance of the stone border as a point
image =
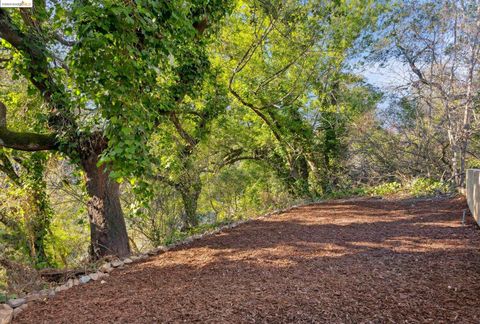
(13, 307)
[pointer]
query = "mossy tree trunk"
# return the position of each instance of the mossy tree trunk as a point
(108, 232)
(190, 197)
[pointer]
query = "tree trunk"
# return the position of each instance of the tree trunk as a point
(190, 204)
(299, 174)
(293, 171)
(39, 227)
(317, 185)
(455, 167)
(108, 231)
(463, 158)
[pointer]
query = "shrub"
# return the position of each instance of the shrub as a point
(385, 189)
(427, 187)
(345, 193)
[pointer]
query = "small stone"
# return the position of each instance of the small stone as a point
(20, 309)
(58, 289)
(44, 292)
(162, 248)
(107, 267)
(84, 279)
(5, 307)
(97, 275)
(51, 293)
(135, 258)
(6, 314)
(127, 261)
(64, 287)
(70, 283)
(17, 311)
(103, 282)
(14, 303)
(76, 282)
(33, 296)
(117, 263)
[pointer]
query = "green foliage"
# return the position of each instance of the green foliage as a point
(178, 235)
(427, 187)
(416, 187)
(3, 285)
(385, 189)
(473, 163)
(136, 61)
(345, 193)
(289, 63)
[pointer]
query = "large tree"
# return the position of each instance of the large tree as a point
(287, 63)
(107, 71)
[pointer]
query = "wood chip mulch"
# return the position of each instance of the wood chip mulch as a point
(357, 261)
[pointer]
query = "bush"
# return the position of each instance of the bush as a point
(418, 187)
(385, 189)
(427, 187)
(345, 193)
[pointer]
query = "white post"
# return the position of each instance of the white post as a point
(473, 193)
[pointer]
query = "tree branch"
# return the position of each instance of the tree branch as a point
(38, 66)
(257, 111)
(236, 155)
(239, 158)
(64, 41)
(24, 141)
(192, 142)
(14, 36)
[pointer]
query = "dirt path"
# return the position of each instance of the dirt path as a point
(341, 262)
